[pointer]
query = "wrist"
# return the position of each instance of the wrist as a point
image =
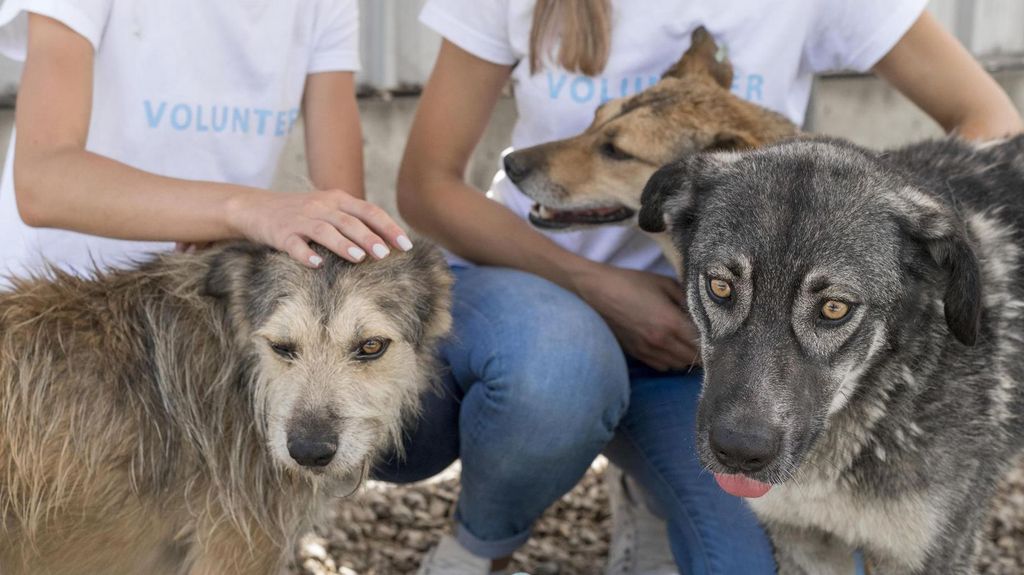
(581, 276)
(236, 207)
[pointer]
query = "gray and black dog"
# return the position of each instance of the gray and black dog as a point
(861, 322)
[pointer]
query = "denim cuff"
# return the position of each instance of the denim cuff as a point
(490, 549)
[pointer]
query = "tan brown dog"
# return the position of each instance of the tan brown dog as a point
(196, 413)
(597, 177)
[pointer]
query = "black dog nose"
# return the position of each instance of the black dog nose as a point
(312, 453)
(749, 449)
(515, 168)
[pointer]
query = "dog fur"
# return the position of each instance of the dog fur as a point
(146, 421)
(887, 429)
(597, 177)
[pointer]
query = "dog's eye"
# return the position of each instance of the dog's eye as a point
(720, 290)
(372, 348)
(284, 349)
(610, 150)
(834, 310)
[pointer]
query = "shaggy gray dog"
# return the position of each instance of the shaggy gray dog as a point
(861, 322)
(194, 414)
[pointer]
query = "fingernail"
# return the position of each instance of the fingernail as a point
(316, 261)
(356, 253)
(381, 251)
(404, 243)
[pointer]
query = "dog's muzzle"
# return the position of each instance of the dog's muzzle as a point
(312, 452)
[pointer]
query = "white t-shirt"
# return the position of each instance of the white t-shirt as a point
(776, 46)
(194, 89)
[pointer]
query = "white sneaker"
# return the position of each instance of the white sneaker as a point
(639, 538)
(451, 558)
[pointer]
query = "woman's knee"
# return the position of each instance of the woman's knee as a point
(572, 396)
(551, 367)
(558, 352)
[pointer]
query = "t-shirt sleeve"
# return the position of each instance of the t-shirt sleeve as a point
(336, 42)
(856, 34)
(85, 17)
(478, 27)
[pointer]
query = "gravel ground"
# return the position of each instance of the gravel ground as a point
(386, 529)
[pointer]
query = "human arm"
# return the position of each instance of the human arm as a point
(457, 102)
(932, 68)
(60, 184)
(334, 136)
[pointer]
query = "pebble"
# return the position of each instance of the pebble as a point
(386, 529)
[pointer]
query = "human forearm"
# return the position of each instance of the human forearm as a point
(334, 138)
(345, 172)
(492, 235)
(89, 193)
(74, 189)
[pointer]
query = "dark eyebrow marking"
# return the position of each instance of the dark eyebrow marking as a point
(653, 100)
(818, 284)
(735, 269)
(642, 100)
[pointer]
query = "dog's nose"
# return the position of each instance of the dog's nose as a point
(748, 449)
(312, 453)
(515, 168)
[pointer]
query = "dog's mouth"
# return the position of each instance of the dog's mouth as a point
(552, 219)
(741, 485)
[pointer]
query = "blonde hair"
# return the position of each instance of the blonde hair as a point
(583, 29)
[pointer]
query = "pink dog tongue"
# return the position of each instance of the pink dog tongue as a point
(741, 485)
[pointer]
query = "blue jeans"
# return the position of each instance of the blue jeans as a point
(537, 387)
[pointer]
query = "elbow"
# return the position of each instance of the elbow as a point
(995, 118)
(31, 207)
(30, 210)
(407, 206)
(409, 199)
(987, 127)
(424, 192)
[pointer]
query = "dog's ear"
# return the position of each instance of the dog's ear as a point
(668, 192)
(435, 308)
(935, 224)
(702, 58)
(235, 276)
(731, 140)
(228, 269)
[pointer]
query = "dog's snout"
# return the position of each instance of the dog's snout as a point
(309, 452)
(313, 439)
(516, 168)
(747, 448)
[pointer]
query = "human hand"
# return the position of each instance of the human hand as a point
(346, 225)
(645, 312)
